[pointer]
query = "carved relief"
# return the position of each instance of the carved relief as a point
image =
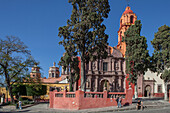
(93, 65)
(116, 65)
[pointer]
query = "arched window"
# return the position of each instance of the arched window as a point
(131, 19)
(52, 74)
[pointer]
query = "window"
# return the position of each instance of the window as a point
(159, 88)
(131, 19)
(56, 75)
(116, 65)
(104, 66)
(52, 74)
(98, 64)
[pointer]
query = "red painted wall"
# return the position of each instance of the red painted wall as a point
(158, 94)
(127, 84)
(169, 96)
(79, 81)
(80, 102)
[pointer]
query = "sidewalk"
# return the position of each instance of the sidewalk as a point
(43, 107)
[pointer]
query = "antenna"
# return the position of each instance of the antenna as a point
(127, 2)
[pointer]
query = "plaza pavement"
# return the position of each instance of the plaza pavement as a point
(43, 107)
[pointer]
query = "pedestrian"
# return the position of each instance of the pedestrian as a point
(119, 100)
(20, 104)
(139, 105)
(149, 94)
(16, 104)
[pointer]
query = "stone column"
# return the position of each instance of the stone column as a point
(110, 65)
(119, 64)
(66, 71)
(113, 65)
(96, 83)
(97, 71)
(113, 83)
(129, 19)
(126, 18)
(62, 71)
(90, 78)
(90, 68)
(120, 83)
(90, 65)
(100, 65)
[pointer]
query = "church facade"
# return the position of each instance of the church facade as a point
(110, 72)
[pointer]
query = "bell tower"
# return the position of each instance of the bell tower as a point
(35, 72)
(53, 71)
(127, 19)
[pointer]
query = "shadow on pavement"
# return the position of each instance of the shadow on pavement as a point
(15, 111)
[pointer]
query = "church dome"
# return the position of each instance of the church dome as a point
(127, 10)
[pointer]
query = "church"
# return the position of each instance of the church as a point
(54, 81)
(110, 72)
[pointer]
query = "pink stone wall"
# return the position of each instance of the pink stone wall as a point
(158, 94)
(77, 100)
(169, 96)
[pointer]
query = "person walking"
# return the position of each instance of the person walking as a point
(119, 100)
(20, 104)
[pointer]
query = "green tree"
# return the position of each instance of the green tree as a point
(136, 56)
(15, 59)
(19, 89)
(36, 90)
(34, 86)
(161, 55)
(70, 63)
(85, 33)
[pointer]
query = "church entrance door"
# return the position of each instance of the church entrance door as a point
(147, 92)
(103, 84)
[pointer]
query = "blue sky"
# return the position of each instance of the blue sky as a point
(36, 23)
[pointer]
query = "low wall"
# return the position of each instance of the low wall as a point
(158, 94)
(85, 100)
(169, 96)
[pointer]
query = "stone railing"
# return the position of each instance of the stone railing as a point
(65, 94)
(58, 94)
(93, 94)
(116, 94)
(70, 94)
